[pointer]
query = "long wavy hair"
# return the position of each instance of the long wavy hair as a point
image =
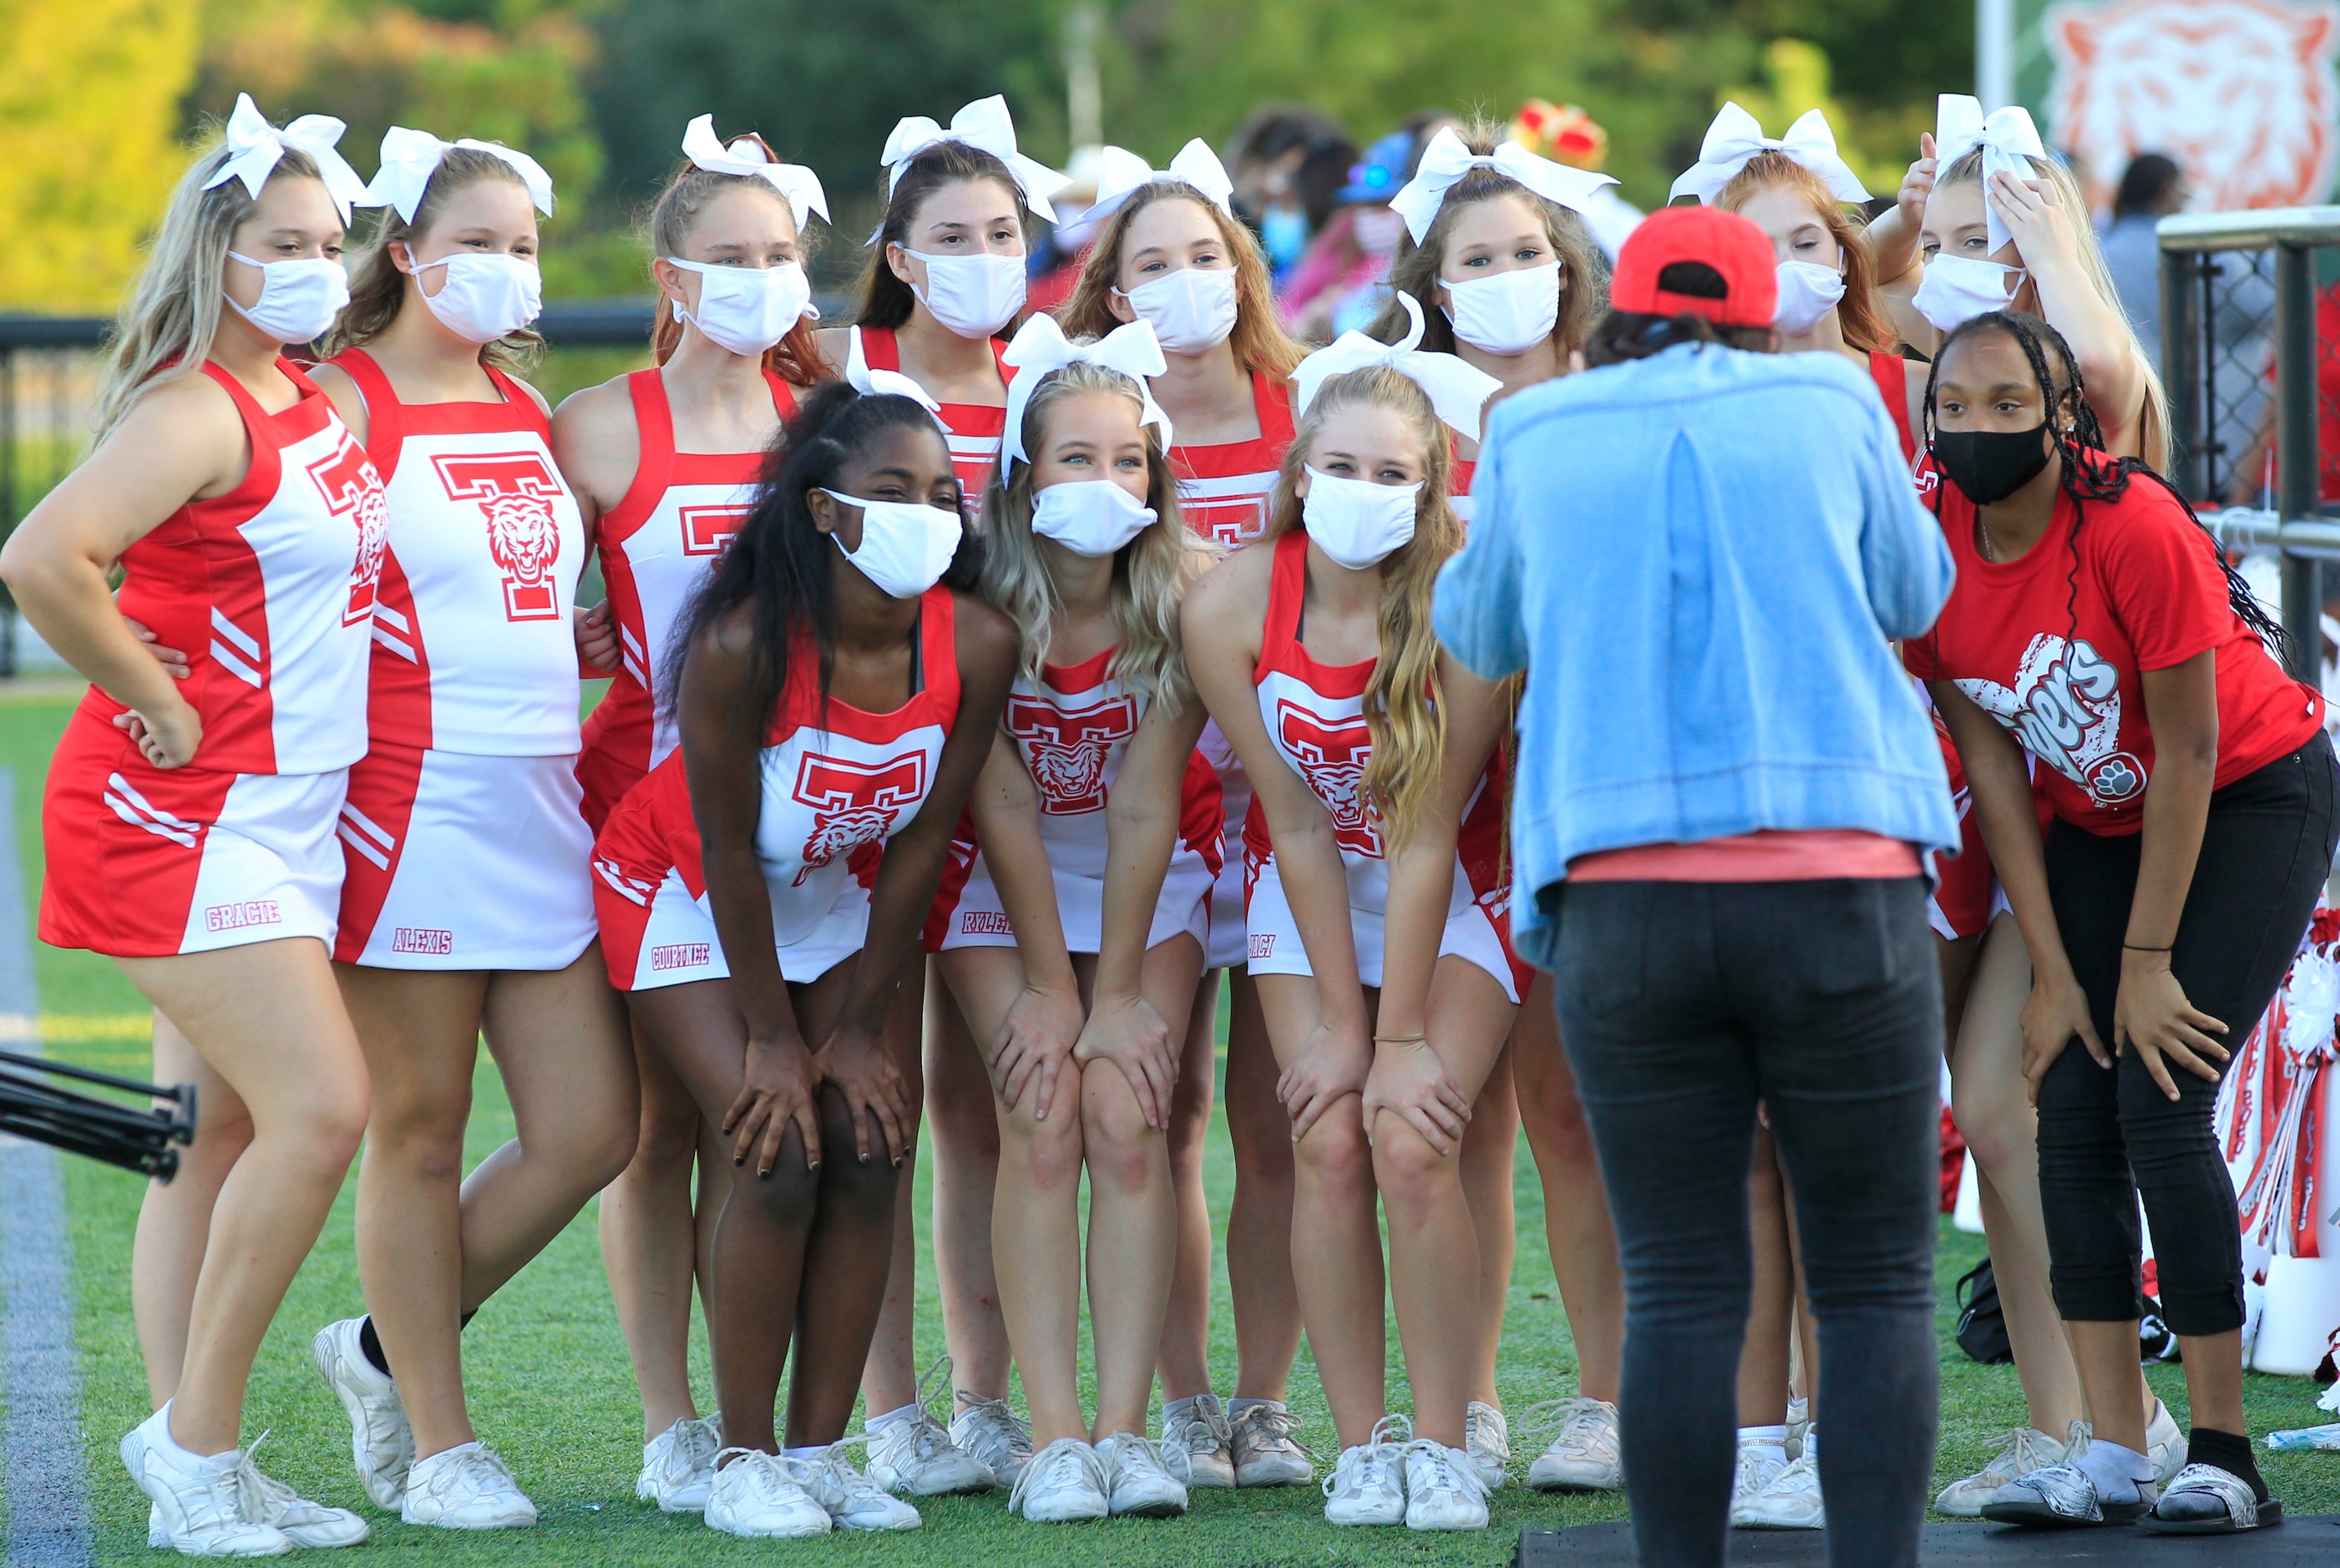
(1260, 343)
(172, 316)
(1402, 712)
(887, 301)
(797, 356)
(378, 289)
(1150, 573)
(1858, 314)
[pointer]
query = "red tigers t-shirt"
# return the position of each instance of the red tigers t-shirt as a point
(2053, 645)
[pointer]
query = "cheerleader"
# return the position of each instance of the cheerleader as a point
(1072, 938)
(834, 705)
(466, 905)
(1377, 795)
(2194, 826)
(189, 824)
(1498, 267)
(945, 278)
(1171, 253)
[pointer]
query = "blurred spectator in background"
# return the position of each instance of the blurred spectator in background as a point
(1055, 264)
(1286, 162)
(1566, 134)
(2151, 190)
(1339, 282)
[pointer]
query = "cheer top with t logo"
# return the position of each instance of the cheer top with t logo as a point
(1072, 727)
(1224, 490)
(2053, 646)
(657, 544)
(837, 782)
(973, 430)
(1315, 716)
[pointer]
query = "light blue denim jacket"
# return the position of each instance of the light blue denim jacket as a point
(1700, 559)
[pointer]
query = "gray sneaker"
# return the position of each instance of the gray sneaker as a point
(1260, 1442)
(913, 1454)
(992, 1431)
(1585, 1456)
(2020, 1453)
(1200, 1445)
(1487, 1439)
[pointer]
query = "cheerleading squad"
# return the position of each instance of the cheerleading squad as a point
(981, 705)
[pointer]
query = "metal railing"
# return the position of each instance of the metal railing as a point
(2250, 345)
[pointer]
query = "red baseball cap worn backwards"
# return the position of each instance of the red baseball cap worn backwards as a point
(1732, 245)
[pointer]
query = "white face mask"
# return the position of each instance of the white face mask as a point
(745, 310)
(1356, 522)
(1191, 310)
(1508, 313)
(905, 547)
(1808, 291)
(973, 296)
(1955, 290)
(298, 300)
(485, 297)
(1089, 516)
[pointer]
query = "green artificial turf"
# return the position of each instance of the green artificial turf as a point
(551, 1388)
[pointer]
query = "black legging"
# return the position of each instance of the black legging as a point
(2266, 851)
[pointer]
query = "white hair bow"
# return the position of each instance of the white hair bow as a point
(2007, 137)
(1458, 390)
(872, 383)
(746, 159)
(410, 157)
(253, 147)
(1734, 139)
(1121, 175)
(1449, 158)
(1041, 347)
(982, 123)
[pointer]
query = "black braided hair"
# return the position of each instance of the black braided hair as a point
(2088, 474)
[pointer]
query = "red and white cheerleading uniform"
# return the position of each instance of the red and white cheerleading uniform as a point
(973, 430)
(464, 843)
(1224, 491)
(1314, 713)
(657, 545)
(270, 589)
(1074, 727)
(837, 782)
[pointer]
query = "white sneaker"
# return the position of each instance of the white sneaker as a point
(1265, 1452)
(381, 1445)
(2020, 1453)
(1757, 1467)
(466, 1488)
(1788, 1501)
(679, 1466)
(2165, 1445)
(1367, 1485)
(1487, 1439)
(1061, 1484)
(754, 1496)
(271, 1502)
(853, 1501)
(1586, 1455)
(992, 1432)
(1199, 1438)
(203, 1505)
(913, 1453)
(1138, 1479)
(1798, 1423)
(1442, 1490)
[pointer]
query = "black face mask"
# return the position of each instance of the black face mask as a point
(1991, 465)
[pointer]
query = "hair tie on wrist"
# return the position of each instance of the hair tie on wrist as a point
(1400, 1039)
(2132, 947)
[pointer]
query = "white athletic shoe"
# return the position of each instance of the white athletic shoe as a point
(853, 1501)
(1138, 1478)
(1756, 1469)
(1201, 1442)
(1790, 1500)
(271, 1502)
(1060, 1485)
(1265, 1452)
(203, 1505)
(995, 1435)
(1367, 1485)
(1800, 1425)
(2165, 1445)
(2020, 1453)
(913, 1454)
(1487, 1439)
(1587, 1454)
(466, 1488)
(381, 1445)
(679, 1466)
(753, 1496)
(1442, 1490)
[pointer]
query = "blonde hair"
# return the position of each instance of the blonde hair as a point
(1258, 339)
(1150, 573)
(378, 289)
(1858, 315)
(172, 317)
(1418, 269)
(797, 356)
(1403, 714)
(2153, 423)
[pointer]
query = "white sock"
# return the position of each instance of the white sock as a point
(2115, 1470)
(1812, 1443)
(813, 1451)
(1244, 1402)
(899, 1413)
(1771, 1441)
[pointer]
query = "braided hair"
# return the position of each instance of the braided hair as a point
(2088, 473)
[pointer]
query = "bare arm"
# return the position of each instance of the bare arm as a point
(2151, 1014)
(2110, 364)
(597, 447)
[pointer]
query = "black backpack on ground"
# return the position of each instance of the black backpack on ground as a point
(1982, 1326)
